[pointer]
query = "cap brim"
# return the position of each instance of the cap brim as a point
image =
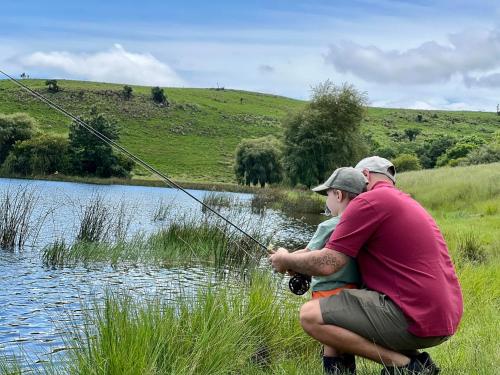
(321, 189)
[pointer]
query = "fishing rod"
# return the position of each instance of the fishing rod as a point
(299, 281)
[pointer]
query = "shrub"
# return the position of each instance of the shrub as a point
(158, 95)
(407, 162)
(432, 149)
(489, 153)
(412, 133)
(52, 85)
(456, 154)
(14, 128)
(41, 155)
(385, 152)
(127, 92)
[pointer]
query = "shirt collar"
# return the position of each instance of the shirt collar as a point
(380, 184)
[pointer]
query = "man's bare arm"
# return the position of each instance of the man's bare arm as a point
(315, 263)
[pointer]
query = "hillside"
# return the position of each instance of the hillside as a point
(194, 139)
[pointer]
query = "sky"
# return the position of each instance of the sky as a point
(422, 54)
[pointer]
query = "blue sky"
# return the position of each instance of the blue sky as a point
(413, 54)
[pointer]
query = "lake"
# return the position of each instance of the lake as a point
(39, 303)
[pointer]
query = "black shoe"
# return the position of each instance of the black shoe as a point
(345, 365)
(349, 363)
(420, 364)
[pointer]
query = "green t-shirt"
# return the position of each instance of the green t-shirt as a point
(346, 275)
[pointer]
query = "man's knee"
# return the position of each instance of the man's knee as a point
(310, 315)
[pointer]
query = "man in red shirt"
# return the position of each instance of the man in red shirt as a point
(412, 298)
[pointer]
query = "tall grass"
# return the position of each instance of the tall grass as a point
(17, 219)
(472, 189)
(230, 330)
(219, 200)
(295, 201)
(187, 239)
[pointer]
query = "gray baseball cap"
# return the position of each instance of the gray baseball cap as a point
(346, 179)
(377, 164)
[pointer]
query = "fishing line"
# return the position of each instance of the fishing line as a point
(124, 151)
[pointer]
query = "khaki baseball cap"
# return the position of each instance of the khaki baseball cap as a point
(346, 179)
(377, 164)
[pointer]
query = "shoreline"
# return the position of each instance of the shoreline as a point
(194, 185)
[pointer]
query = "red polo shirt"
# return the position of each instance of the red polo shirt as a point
(401, 253)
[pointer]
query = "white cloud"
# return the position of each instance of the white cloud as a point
(115, 65)
(466, 53)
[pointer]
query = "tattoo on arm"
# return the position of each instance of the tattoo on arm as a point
(318, 262)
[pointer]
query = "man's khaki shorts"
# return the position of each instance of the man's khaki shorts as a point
(374, 316)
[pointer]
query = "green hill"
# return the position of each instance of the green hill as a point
(194, 138)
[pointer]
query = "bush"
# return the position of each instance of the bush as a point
(412, 133)
(385, 152)
(407, 162)
(489, 153)
(258, 162)
(127, 92)
(158, 95)
(456, 154)
(14, 128)
(41, 155)
(52, 85)
(433, 148)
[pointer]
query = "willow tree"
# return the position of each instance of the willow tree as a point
(258, 161)
(325, 134)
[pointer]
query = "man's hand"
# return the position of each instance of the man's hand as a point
(278, 260)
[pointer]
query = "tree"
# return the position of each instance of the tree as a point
(91, 156)
(14, 128)
(158, 95)
(325, 134)
(45, 154)
(258, 161)
(52, 85)
(127, 92)
(412, 133)
(407, 162)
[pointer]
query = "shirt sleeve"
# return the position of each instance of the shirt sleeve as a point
(357, 224)
(322, 234)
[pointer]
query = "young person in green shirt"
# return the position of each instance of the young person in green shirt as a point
(342, 186)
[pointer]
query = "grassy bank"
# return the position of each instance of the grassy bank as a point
(251, 328)
(195, 138)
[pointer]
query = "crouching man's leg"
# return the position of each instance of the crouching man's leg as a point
(367, 324)
(344, 340)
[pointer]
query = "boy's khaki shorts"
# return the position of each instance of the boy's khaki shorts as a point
(374, 316)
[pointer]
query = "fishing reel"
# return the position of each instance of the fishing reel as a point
(299, 284)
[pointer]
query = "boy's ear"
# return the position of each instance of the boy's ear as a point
(340, 195)
(343, 196)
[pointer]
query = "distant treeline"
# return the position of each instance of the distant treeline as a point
(25, 151)
(326, 134)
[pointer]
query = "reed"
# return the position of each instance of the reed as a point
(95, 221)
(219, 200)
(186, 240)
(17, 217)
